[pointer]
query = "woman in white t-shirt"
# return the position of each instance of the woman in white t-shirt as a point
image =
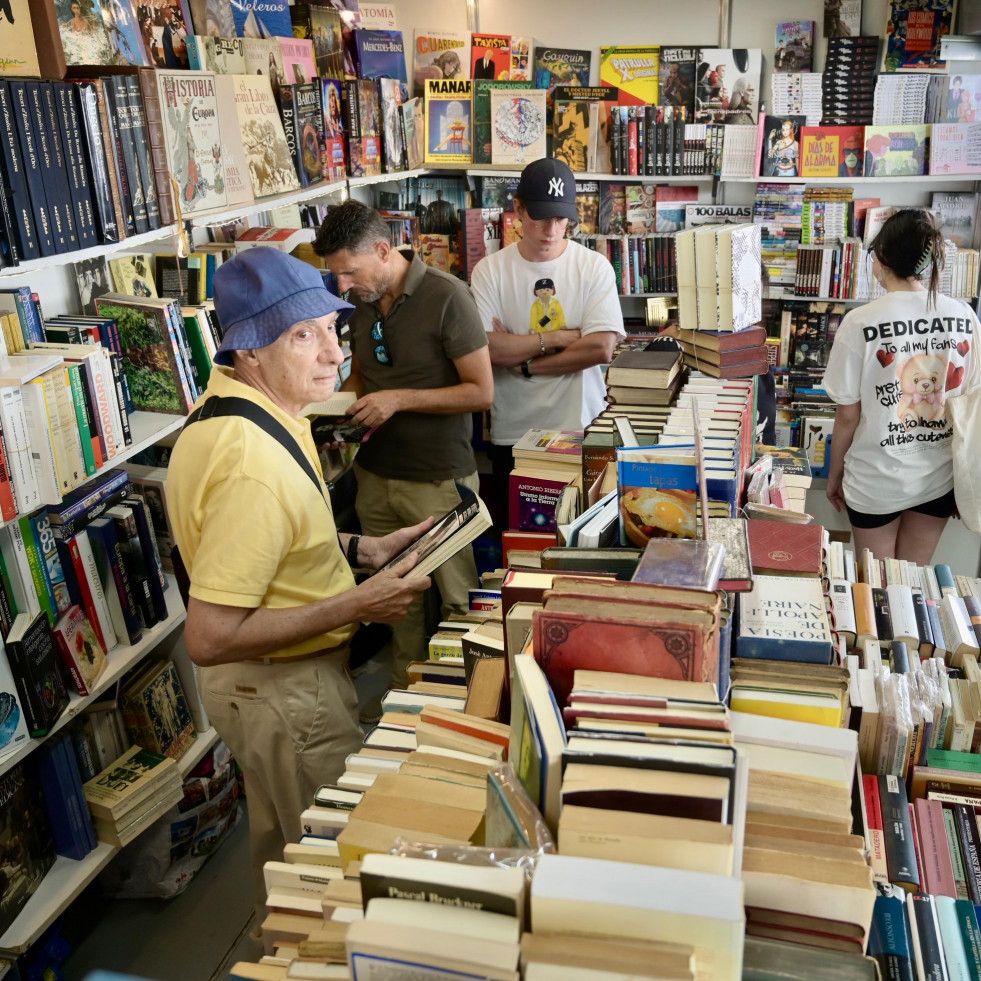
(894, 363)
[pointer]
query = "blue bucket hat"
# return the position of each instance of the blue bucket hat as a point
(262, 292)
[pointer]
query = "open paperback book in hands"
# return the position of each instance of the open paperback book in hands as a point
(330, 422)
(453, 531)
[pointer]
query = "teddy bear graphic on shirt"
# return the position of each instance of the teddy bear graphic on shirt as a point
(922, 379)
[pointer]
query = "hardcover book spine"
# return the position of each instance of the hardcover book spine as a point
(12, 167)
(971, 935)
(889, 939)
(967, 834)
(53, 170)
(120, 400)
(27, 135)
(883, 619)
(68, 661)
(110, 123)
(149, 550)
(8, 509)
(103, 536)
(127, 146)
(25, 689)
(78, 181)
(898, 834)
(157, 145)
(69, 840)
(81, 417)
(873, 810)
(352, 129)
(141, 141)
(99, 168)
(930, 953)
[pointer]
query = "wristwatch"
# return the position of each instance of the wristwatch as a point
(525, 370)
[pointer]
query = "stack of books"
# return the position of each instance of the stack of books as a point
(675, 800)
(644, 377)
(849, 81)
(804, 871)
(725, 355)
(131, 793)
(779, 478)
(545, 463)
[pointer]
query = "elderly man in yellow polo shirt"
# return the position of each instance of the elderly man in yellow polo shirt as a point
(273, 601)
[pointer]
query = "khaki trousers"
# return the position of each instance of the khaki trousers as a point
(290, 725)
(385, 505)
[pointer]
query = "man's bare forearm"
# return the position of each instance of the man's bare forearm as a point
(587, 351)
(465, 397)
(223, 635)
(508, 350)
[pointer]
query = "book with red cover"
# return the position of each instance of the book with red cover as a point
(777, 548)
(567, 642)
(742, 369)
(525, 540)
(724, 341)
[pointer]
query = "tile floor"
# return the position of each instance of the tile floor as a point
(199, 934)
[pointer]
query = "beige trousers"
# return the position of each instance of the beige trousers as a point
(290, 726)
(385, 505)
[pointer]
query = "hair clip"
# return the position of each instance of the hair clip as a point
(924, 261)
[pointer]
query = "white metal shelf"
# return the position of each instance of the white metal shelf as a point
(67, 877)
(146, 428)
(118, 662)
(847, 181)
(219, 216)
(399, 175)
(495, 170)
(133, 242)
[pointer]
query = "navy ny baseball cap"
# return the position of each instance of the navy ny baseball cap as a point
(547, 189)
(262, 292)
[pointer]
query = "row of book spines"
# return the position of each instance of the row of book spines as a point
(829, 270)
(83, 560)
(656, 141)
(641, 263)
(93, 179)
(61, 784)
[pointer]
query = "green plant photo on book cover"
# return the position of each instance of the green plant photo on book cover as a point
(146, 359)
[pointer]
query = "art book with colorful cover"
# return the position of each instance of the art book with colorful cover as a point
(264, 56)
(677, 78)
(963, 99)
(632, 70)
(18, 55)
(641, 208)
(298, 62)
(381, 54)
(571, 134)
(189, 114)
(449, 121)
(439, 55)
(363, 128)
(390, 96)
(794, 46)
(914, 29)
(896, 151)
(263, 139)
(728, 87)
(780, 154)
(414, 123)
(322, 25)
(832, 151)
(658, 490)
(308, 122)
(83, 33)
(262, 18)
(955, 148)
(482, 115)
(518, 126)
(334, 144)
(81, 652)
(561, 66)
(490, 57)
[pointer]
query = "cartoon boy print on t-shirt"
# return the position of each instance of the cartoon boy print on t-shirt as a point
(546, 311)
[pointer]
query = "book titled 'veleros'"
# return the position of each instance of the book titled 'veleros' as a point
(783, 618)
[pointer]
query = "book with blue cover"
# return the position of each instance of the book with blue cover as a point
(658, 489)
(381, 54)
(262, 18)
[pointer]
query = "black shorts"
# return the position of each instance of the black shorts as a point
(940, 507)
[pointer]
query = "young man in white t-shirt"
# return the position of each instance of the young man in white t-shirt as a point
(552, 315)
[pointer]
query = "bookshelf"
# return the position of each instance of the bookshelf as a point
(147, 429)
(119, 661)
(305, 196)
(67, 878)
(925, 179)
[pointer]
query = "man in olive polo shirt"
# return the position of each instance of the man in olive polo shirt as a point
(273, 602)
(420, 366)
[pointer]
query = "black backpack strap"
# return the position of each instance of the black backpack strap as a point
(234, 406)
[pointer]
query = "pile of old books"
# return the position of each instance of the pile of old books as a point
(131, 793)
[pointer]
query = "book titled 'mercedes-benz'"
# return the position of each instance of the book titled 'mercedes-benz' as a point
(381, 54)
